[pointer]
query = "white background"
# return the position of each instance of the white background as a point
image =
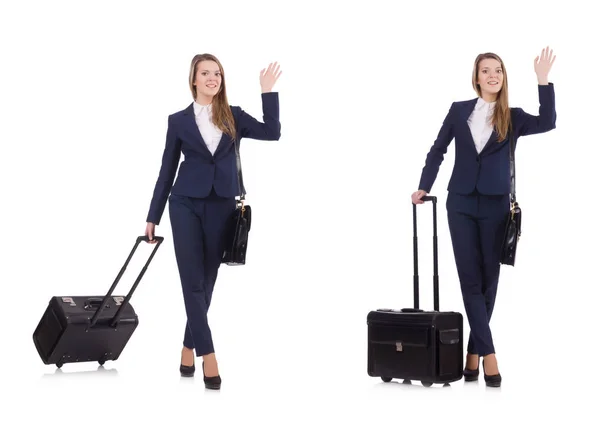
(86, 89)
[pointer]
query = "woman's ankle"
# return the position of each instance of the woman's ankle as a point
(211, 367)
(187, 356)
(490, 364)
(472, 362)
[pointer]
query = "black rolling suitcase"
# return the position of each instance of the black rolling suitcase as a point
(83, 328)
(413, 344)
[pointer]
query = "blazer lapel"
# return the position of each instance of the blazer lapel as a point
(226, 140)
(191, 126)
(465, 113)
(222, 143)
(467, 109)
(492, 140)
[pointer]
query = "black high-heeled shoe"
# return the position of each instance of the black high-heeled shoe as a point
(471, 375)
(494, 380)
(212, 382)
(187, 370)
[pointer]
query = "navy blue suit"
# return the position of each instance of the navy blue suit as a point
(201, 201)
(478, 203)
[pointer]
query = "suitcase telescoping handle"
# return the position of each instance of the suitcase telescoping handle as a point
(106, 298)
(436, 287)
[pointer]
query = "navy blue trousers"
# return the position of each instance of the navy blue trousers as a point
(198, 226)
(476, 225)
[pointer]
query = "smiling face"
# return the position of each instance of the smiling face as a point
(207, 81)
(490, 78)
(490, 81)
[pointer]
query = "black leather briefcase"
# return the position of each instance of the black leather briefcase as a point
(413, 344)
(84, 328)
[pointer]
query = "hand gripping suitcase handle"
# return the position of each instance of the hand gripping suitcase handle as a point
(436, 286)
(159, 240)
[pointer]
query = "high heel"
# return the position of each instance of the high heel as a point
(471, 375)
(213, 382)
(187, 370)
(494, 380)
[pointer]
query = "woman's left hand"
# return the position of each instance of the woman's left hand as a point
(269, 76)
(543, 64)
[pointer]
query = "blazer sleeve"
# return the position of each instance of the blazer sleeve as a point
(436, 153)
(249, 127)
(166, 176)
(527, 124)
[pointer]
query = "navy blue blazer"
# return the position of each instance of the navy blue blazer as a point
(200, 170)
(487, 172)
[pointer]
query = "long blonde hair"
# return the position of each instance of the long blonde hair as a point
(501, 116)
(221, 112)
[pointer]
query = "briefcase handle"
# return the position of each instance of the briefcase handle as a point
(159, 240)
(93, 303)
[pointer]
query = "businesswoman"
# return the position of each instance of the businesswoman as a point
(479, 190)
(202, 199)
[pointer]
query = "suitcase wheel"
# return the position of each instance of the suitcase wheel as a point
(59, 364)
(101, 361)
(427, 384)
(386, 379)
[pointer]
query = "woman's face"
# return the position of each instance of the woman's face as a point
(208, 78)
(490, 76)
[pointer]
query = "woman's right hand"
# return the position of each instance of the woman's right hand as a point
(150, 232)
(417, 196)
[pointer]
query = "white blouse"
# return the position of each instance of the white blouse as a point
(211, 134)
(480, 123)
